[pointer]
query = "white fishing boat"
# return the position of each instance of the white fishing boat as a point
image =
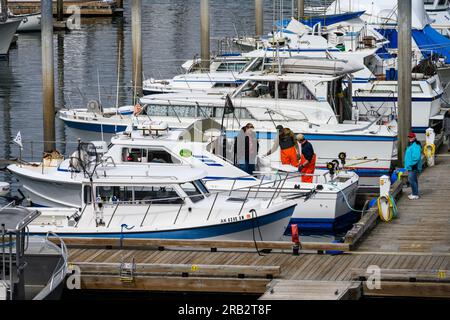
(8, 29)
(30, 22)
(325, 204)
(380, 98)
(163, 203)
(439, 12)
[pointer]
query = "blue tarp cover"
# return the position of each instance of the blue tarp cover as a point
(325, 20)
(432, 42)
(428, 40)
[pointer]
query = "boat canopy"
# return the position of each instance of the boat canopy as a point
(429, 41)
(324, 20)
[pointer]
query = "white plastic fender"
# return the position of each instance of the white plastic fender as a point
(4, 189)
(430, 148)
(385, 189)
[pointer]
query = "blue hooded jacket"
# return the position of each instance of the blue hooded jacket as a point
(413, 157)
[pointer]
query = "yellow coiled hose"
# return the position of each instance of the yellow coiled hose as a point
(392, 208)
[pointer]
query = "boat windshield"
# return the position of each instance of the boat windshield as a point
(201, 186)
(285, 90)
(192, 191)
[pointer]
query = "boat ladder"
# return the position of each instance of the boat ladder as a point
(127, 271)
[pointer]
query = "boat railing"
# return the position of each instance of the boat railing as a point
(376, 113)
(60, 271)
(246, 189)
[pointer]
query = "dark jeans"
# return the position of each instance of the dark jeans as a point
(413, 181)
(247, 167)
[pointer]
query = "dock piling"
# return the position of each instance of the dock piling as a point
(300, 9)
(259, 17)
(48, 82)
(60, 10)
(404, 76)
(205, 34)
(4, 10)
(136, 27)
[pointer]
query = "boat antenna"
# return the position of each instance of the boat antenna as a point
(98, 84)
(118, 77)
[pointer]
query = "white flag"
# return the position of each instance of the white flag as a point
(18, 140)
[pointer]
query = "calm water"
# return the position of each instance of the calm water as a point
(171, 35)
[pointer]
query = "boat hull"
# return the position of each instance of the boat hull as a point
(7, 31)
(270, 226)
(30, 23)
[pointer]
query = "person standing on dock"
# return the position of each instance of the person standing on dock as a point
(307, 159)
(286, 142)
(413, 164)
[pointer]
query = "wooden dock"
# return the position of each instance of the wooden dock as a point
(408, 257)
(87, 8)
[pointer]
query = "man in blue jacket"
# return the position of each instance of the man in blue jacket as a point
(413, 164)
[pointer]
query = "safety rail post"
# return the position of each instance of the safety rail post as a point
(11, 266)
(276, 190)
(178, 213)
(232, 187)
(146, 212)
(259, 187)
(81, 215)
(212, 206)
(284, 182)
(112, 216)
(245, 200)
(3, 252)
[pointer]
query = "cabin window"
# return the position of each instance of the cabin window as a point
(192, 192)
(225, 85)
(157, 194)
(114, 193)
(201, 186)
(232, 67)
(415, 88)
(143, 155)
(298, 91)
(170, 111)
(134, 155)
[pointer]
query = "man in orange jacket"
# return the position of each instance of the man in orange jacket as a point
(286, 142)
(307, 159)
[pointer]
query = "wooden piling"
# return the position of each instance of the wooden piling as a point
(4, 11)
(259, 17)
(136, 27)
(404, 76)
(300, 9)
(205, 34)
(60, 10)
(48, 85)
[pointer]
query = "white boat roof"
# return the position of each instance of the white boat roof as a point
(149, 174)
(301, 77)
(384, 11)
(257, 107)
